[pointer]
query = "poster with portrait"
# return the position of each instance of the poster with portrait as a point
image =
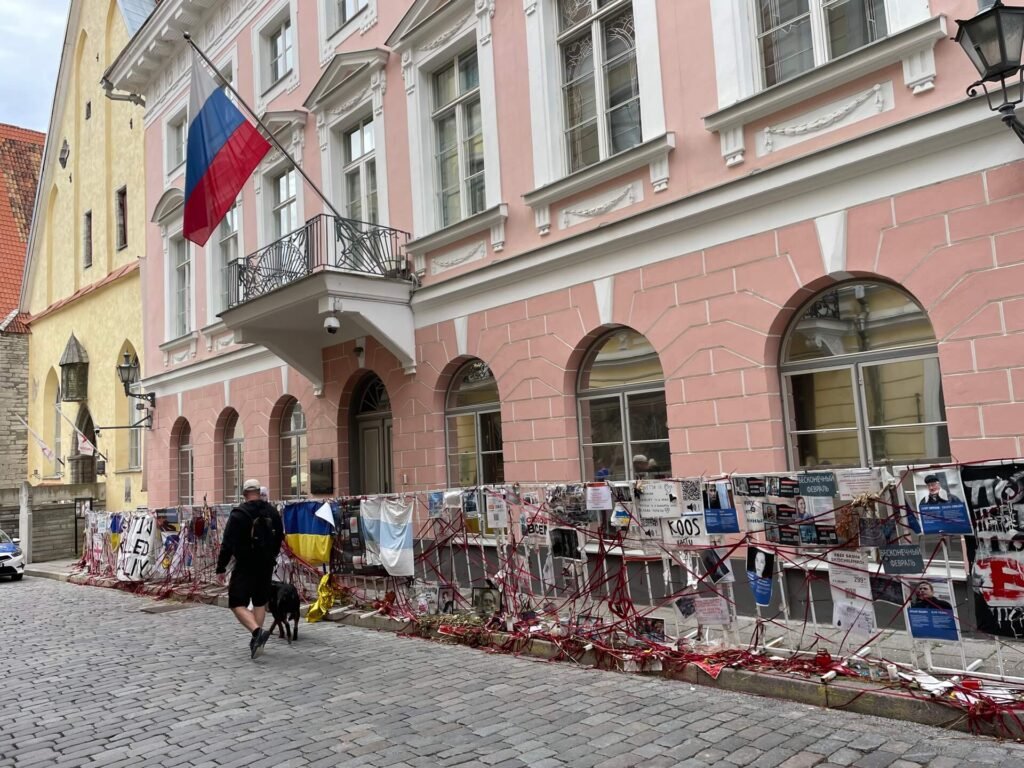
(760, 569)
(930, 613)
(938, 496)
(720, 514)
(995, 498)
(486, 601)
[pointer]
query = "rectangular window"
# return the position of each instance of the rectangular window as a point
(121, 216)
(233, 470)
(600, 86)
(285, 212)
(294, 468)
(177, 140)
(227, 252)
(185, 492)
(347, 10)
(475, 457)
(459, 141)
(182, 278)
(135, 447)
(280, 40)
(797, 35)
(360, 172)
(87, 240)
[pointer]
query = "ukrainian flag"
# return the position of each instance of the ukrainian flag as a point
(307, 535)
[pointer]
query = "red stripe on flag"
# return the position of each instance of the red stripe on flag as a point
(216, 192)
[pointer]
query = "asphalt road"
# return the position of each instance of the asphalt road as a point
(89, 679)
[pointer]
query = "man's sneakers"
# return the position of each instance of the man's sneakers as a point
(259, 639)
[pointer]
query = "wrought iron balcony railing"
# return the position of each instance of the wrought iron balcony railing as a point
(323, 242)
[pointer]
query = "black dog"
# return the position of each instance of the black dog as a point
(284, 607)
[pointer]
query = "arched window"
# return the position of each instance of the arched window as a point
(183, 449)
(861, 381)
(473, 426)
(294, 464)
(621, 405)
(234, 466)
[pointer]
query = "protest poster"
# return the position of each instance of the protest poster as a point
(930, 613)
(938, 496)
(720, 508)
(995, 498)
(760, 570)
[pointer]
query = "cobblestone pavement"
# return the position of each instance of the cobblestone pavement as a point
(91, 680)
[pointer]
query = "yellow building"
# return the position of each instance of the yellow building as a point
(81, 285)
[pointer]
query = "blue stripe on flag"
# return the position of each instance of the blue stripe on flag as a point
(208, 132)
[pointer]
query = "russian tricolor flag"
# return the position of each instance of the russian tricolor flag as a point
(223, 150)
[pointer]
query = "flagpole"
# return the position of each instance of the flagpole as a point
(95, 448)
(270, 133)
(40, 442)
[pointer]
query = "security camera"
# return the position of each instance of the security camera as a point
(332, 324)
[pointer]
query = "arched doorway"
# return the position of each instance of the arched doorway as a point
(371, 454)
(83, 465)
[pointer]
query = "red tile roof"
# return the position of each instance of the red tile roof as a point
(21, 153)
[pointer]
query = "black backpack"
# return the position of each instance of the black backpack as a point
(262, 538)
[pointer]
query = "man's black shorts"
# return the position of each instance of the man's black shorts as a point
(249, 584)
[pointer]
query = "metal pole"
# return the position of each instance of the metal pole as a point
(270, 134)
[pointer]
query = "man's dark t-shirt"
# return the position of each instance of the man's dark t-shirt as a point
(238, 531)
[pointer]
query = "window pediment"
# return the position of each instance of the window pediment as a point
(423, 18)
(170, 204)
(347, 76)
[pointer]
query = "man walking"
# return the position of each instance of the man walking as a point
(253, 536)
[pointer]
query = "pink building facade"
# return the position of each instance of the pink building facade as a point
(644, 236)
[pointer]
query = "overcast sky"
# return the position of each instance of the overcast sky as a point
(31, 36)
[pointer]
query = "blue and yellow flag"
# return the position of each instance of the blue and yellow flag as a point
(307, 535)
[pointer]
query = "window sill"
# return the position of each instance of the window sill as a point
(362, 21)
(287, 83)
(180, 349)
(492, 219)
(129, 471)
(913, 46)
(217, 336)
(653, 152)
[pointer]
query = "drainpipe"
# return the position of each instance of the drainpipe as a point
(134, 98)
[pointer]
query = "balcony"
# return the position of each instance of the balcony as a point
(331, 268)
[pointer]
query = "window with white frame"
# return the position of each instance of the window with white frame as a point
(346, 10)
(284, 211)
(181, 284)
(623, 419)
(234, 466)
(458, 140)
(294, 460)
(473, 429)
(135, 448)
(600, 85)
(226, 252)
(794, 36)
(861, 379)
(177, 139)
(279, 52)
(186, 488)
(360, 172)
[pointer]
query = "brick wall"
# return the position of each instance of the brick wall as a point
(13, 403)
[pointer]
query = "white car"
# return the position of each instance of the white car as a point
(12, 559)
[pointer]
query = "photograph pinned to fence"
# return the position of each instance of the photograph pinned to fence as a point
(720, 508)
(760, 569)
(686, 605)
(435, 504)
(939, 499)
(446, 600)
(716, 566)
(651, 628)
(931, 610)
(486, 601)
(426, 598)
